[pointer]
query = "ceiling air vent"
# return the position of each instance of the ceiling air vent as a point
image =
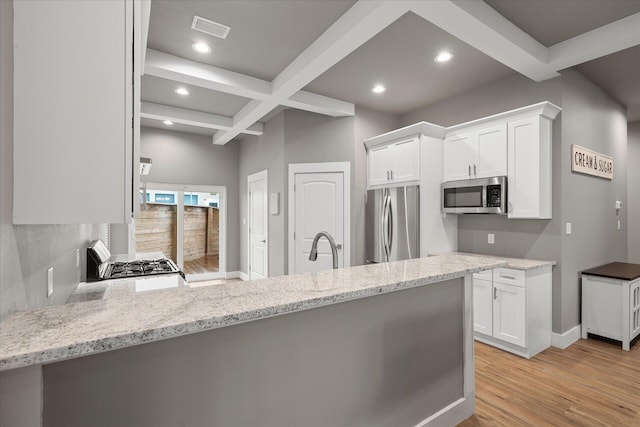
(210, 27)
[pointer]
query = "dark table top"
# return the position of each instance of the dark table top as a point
(616, 270)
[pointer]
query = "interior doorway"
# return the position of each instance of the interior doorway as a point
(186, 224)
(258, 226)
(319, 200)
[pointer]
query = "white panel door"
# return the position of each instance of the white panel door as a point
(319, 206)
(458, 157)
(258, 227)
(524, 170)
(483, 306)
(509, 314)
(491, 152)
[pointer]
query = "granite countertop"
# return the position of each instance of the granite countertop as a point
(515, 263)
(76, 329)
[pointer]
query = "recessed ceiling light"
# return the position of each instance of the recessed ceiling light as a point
(378, 89)
(168, 122)
(182, 91)
(201, 47)
(443, 57)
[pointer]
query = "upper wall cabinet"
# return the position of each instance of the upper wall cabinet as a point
(394, 162)
(393, 158)
(478, 153)
(517, 144)
(74, 104)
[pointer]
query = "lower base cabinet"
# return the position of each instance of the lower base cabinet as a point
(512, 309)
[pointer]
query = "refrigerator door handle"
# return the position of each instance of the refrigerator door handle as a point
(385, 225)
(390, 225)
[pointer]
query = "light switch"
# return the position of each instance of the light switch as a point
(568, 228)
(491, 238)
(274, 203)
(619, 226)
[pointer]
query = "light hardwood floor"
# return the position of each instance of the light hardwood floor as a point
(204, 264)
(591, 383)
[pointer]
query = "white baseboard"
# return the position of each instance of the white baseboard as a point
(237, 275)
(564, 340)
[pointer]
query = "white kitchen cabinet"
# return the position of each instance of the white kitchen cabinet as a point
(513, 310)
(611, 302)
(483, 305)
(515, 143)
(529, 168)
(479, 153)
(74, 104)
(394, 162)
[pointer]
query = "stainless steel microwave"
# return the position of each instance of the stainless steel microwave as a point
(480, 195)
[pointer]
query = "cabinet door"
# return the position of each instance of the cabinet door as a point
(529, 171)
(458, 156)
(509, 313)
(491, 152)
(379, 164)
(482, 306)
(73, 114)
(406, 160)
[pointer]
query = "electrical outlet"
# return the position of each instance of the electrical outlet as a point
(619, 226)
(77, 258)
(491, 238)
(49, 281)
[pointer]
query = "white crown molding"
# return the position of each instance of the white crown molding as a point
(150, 110)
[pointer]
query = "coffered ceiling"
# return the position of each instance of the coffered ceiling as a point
(326, 55)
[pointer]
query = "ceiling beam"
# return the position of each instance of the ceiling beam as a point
(479, 25)
(164, 65)
(605, 40)
(360, 23)
(150, 110)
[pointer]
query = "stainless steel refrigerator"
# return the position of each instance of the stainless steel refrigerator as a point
(393, 224)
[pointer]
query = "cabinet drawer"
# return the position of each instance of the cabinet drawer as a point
(484, 275)
(509, 276)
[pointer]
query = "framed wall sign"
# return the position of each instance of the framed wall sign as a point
(589, 162)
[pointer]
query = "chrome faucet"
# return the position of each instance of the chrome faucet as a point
(314, 248)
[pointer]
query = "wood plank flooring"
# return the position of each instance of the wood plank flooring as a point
(203, 264)
(591, 383)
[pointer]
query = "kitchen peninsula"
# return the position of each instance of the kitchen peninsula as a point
(397, 350)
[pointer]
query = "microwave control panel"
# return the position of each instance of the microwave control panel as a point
(494, 196)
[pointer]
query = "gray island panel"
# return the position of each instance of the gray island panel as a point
(389, 360)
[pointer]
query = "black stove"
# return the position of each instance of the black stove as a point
(101, 267)
(117, 270)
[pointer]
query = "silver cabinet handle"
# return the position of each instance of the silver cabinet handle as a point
(388, 179)
(475, 173)
(508, 277)
(263, 241)
(495, 293)
(469, 170)
(391, 175)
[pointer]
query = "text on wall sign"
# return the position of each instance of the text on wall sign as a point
(589, 162)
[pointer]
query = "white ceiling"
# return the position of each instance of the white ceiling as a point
(324, 56)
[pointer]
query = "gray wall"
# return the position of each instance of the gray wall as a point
(300, 137)
(633, 191)
(27, 251)
(184, 158)
(258, 154)
(385, 360)
(590, 118)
